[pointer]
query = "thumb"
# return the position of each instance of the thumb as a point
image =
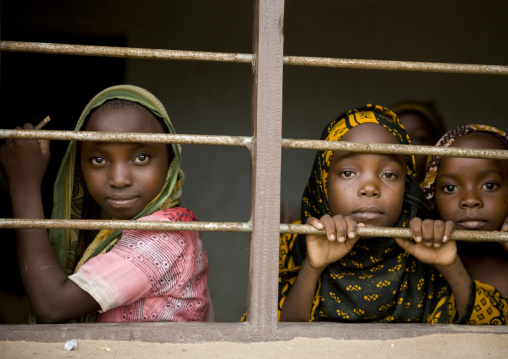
(406, 245)
(44, 148)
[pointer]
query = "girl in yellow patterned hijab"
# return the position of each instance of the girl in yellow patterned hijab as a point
(340, 278)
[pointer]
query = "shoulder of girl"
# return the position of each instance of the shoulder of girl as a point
(176, 214)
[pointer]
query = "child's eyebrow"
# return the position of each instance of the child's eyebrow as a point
(481, 173)
(143, 144)
(133, 144)
(356, 156)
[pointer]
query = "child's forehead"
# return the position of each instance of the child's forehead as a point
(475, 168)
(125, 119)
(355, 158)
(370, 132)
(482, 140)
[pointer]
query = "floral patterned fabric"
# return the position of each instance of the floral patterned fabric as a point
(150, 275)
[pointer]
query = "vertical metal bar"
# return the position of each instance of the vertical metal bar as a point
(265, 165)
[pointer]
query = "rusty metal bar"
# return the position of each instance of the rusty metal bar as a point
(483, 236)
(128, 137)
(393, 149)
(247, 142)
(266, 127)
(396, 65)
(122, 224)
(123, 52)
(162, 54)
(244, 227)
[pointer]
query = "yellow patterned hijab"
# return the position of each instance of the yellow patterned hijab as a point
(377, 281)
(69, 189)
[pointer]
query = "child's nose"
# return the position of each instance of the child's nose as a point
(471, 200)
(369, 189)
(120, 176)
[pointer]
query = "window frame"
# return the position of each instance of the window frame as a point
(265, 146)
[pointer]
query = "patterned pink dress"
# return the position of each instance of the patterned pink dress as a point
(150, 276)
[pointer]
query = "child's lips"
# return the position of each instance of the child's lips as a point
(367, 214)
(121, 201)
(472, 223)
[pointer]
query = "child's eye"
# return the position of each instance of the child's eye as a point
(449, 188)
(490, 186)
(347, 174)
(98, 160)
(141, 158)
(389, 175)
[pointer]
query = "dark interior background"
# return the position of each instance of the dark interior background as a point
(215, 98)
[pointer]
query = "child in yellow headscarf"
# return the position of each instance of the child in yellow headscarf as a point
(115, 276)
(340, 277)
(473, 194)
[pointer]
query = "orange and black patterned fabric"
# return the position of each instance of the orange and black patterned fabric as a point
(489, 306)
(377, 281)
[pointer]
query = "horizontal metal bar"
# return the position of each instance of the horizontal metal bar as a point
(128, 137)
(162, 54)
(16, 223)
(396, 65)
(393, 149)
(123, 52)
(481, 236)
(247, 142)
(123, 224)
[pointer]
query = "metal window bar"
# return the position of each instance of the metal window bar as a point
(245, 142)
(267, 61)
(164, 54)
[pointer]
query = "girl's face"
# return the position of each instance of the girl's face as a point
(124, 177)
(473, 193)
(368, 187)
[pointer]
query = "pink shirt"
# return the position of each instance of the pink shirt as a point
(150, 275)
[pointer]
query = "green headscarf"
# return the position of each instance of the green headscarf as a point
(69, 189)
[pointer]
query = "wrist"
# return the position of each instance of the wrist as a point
(24, 188)
(307, 266)
(453, 271)
(20, 196)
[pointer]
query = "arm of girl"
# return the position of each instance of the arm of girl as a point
(50, 293)
(432, 246)
(322, 250)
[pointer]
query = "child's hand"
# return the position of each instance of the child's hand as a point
(340, 238)
(431, 245)
(504, 228)
(24, 162)
(432, 233)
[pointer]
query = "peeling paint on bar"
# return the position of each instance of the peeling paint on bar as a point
(122, 224)
(393, 149)
(124, 52)
(396, 65)
(247, 142)
(243, 227)
(164, 54)
(128, 137)
(484, 236)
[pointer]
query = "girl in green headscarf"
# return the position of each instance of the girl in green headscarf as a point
(340, 277)
(130, 275)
